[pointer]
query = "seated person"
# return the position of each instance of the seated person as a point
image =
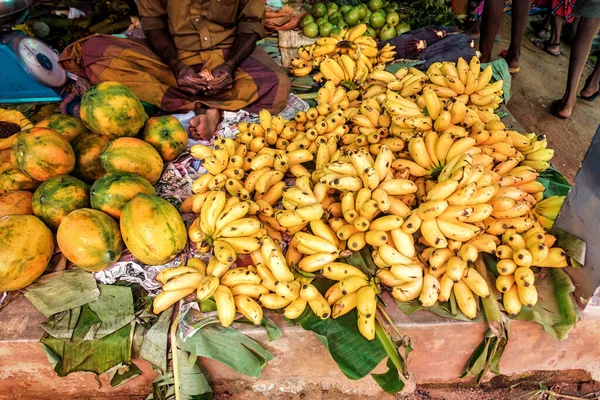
(199, 55)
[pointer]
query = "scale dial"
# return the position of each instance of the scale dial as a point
(41, 62)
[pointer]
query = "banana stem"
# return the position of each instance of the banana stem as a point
(366, 255)
(173, 335)
(306, 96)
(490, 304)
(391, 349)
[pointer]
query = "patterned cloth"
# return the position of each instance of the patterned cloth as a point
(560, 8)
(259, 83)
(475, 9)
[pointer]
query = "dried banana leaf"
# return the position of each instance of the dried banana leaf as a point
(61, 291)
(154, 346)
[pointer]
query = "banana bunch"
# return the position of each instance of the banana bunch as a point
(537, 155)
(546, 211)
(348, 56)
(225, 226)
(386, 54)
(177, 283)
(368, 186)
(224, 163)
(352, 290)
(466, 79)
(301, 206)
(517, 255)
(312, 252)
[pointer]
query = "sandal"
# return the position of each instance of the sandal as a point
(554, 108)
(544, 44)
(592, 97)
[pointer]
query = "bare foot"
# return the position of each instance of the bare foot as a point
(204, 124)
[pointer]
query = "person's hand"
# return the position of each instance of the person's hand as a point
(189, 81)
(223, 79)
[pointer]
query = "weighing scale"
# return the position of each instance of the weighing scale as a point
(29, 70)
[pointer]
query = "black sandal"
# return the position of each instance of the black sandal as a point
(592, 97)
(544, 44)
(554, 108)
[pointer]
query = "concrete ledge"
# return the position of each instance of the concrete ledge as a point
(441, 350)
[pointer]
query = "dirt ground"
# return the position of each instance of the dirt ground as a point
(542, 79)
(572, 385)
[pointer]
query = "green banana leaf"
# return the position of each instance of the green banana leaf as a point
(114, 308)
(229, 346)
(355, 356)
(62, 291)
(555, 310)
(185, 381)
(554, 182)
(192, 381)
(388, 380)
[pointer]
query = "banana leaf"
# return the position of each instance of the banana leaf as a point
(388, 380)
(114, 308)
(554, 182)
(95, 356)
(123, 374)
(154, 346)
(355, 356)
(62, 325)
(229, 346)
(62, 291)
(273, 331)
(192, 381)
(486, 356)
(555, 310)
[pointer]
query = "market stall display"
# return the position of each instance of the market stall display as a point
(395, 180)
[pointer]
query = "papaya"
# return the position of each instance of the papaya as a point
(67, 125)
(26, 246)
(152, 229)
(13, 179)
(132, 155)
(57, 197)
(17, 202)
(90, 239)
(111, 192)
(87, 148)
(111, 109)
(167, 136)
(42, 153)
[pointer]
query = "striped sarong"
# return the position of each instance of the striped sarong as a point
(259, 83)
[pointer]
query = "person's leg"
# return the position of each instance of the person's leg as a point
(592, 83)
(588, 27)
(520, 15)
(552, 46)
(557, 24)
(490, 22)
